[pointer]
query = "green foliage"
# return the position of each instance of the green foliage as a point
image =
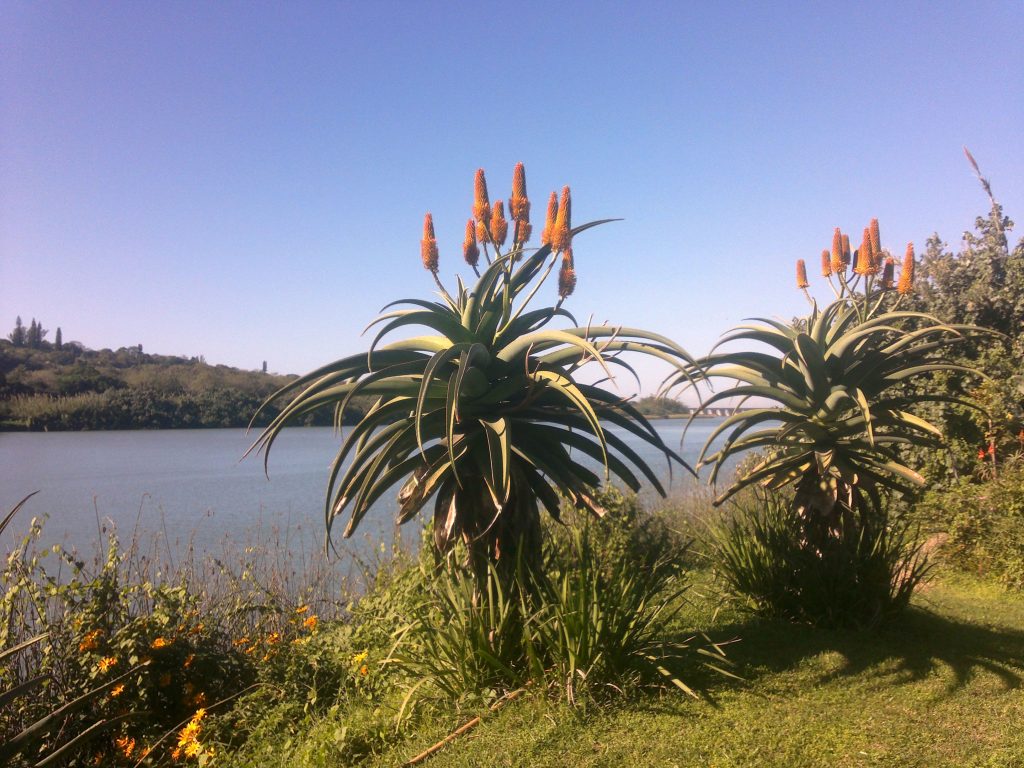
(983, 285)
(661, 407)
(115, 656)
(595, 619)
(985, 523)
(760, 552)
(69, 388)
(482, 414)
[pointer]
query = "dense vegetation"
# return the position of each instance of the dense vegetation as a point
(65, 386)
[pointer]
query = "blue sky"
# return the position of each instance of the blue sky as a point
(247, 181)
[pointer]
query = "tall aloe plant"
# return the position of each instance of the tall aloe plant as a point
(833, 394)
(485, 414)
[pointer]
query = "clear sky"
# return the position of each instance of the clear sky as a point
(247, 181)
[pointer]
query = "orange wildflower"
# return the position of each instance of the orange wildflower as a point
(561, 232)
(106, 663)
(499, 227)
(428, 245)
(364, 670)
(302, 608)
(801, 274)
(549, 222)
(519, 203)
(826, 264)
(837, 251)
(126, 745)
(310, 622)
(160, 642)
(90, 641)
(906, 283)
(117, 690)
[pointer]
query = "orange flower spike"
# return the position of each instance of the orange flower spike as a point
(826, 264)
(470, 250)
(522, 231)
(428, 245)
(519, 203)
(549, 223)
(906, 284)
(499, 227)
(801, 274)
(889, 272)
(846, 251)
(561, 232)
(862, 264)
(481, 206)
(837, 251)
(876, 241)
(566, 276)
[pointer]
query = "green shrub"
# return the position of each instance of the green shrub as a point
(760, 553)
(985, 523)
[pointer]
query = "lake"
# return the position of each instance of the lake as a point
(191, 485)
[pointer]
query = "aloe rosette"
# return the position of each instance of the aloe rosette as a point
(485, 414)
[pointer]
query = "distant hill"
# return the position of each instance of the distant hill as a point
(43, 387)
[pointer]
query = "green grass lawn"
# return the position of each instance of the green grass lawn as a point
(942, 687)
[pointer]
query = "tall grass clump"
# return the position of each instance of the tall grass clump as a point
(759, 551)
(598, 619)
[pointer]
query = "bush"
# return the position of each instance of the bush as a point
(760, 553)
(985, 523)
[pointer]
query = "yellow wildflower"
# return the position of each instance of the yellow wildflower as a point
(302, 608)
(273, 638)
(360, 657)
(310, 622)
(106, 663)
(117, 690)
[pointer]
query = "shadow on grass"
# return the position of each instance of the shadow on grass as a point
(918, 645)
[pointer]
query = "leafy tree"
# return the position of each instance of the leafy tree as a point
(981, 285)
(58, 340)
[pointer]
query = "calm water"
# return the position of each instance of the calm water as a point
(192, 484)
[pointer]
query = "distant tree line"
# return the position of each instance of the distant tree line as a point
(64, 386)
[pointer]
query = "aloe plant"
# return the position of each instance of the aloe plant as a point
(834, 393)
(485, 414)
